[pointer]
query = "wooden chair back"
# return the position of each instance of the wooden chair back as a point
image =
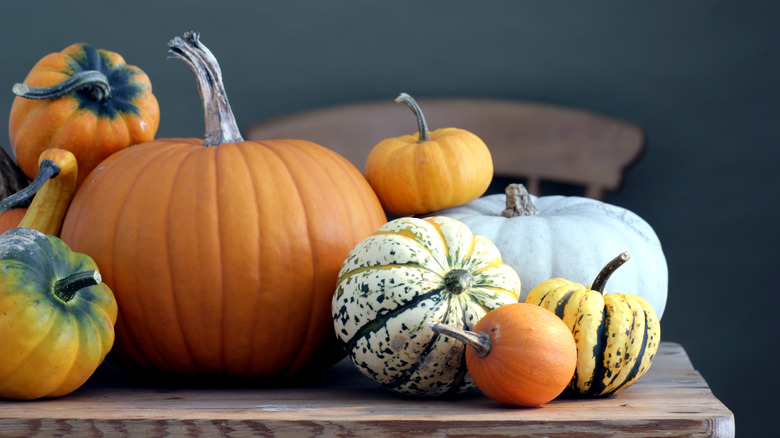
(535, 142)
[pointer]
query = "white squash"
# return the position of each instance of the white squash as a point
(407, 274)
(569, 237)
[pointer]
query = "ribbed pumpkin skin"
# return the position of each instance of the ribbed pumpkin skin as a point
(49, 347)
(90, 129)
(393, 284)
(223, 259)
(571, 238)
(617, 335)
(410, 177)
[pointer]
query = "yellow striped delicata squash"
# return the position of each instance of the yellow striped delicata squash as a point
(409, 273)
(617, 335)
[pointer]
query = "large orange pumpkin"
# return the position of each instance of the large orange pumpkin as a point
(223, 254)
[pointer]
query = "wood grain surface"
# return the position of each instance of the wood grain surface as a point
(672, 399)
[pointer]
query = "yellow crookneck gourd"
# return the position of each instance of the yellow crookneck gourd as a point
(617, 335)
(51, 190)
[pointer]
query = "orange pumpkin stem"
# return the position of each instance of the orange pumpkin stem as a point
(92, 80)
(422, 126)
(221, 125)
(480, 342)
(518, 202)
(601, 279)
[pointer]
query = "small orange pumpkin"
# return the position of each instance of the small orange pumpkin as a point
(429, 171)
(223, 254)
(522, 355)
(84, 100)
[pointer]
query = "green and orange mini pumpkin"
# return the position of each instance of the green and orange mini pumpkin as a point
(85, 100)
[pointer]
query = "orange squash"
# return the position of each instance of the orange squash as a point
(85, 100)
(223, 254)
(428, 171)
(522, 355)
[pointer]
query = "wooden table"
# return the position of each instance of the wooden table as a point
(672, 399)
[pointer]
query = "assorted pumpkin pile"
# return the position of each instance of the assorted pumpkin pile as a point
(220, 258)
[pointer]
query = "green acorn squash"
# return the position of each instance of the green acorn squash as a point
(56, 317)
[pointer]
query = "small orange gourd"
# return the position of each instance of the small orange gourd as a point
(521, 354)
(83, 99)
(428, 171)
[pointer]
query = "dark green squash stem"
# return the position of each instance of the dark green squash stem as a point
(601, 279)
(66, 288)
(95, 82)
(458, 281)
(422, 126)
(48, 170)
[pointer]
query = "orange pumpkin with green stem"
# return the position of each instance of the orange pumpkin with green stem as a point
(428, 171)
(85, 100)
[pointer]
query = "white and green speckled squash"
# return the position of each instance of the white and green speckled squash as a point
(570, 237)
(407, 274)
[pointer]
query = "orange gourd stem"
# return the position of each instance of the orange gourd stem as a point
(92, 80)
(51, 190)
(221, 126)
(601, 279)
(479, 341)
(422, 126)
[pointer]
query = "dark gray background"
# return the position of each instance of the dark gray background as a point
(701, 77)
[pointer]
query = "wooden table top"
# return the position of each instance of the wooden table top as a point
(672, 399)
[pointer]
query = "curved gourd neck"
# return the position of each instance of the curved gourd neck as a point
(51, 190)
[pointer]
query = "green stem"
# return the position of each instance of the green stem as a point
(606, 272)
(93, 80)
(518, 202)
(457, 281)
(221, 126)
(422, 127)
(48, 170)
(65, 288)
(480, 342)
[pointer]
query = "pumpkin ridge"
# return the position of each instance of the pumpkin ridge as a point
(150, 158)
(30, 351)
(191, 154)
(300, 353)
